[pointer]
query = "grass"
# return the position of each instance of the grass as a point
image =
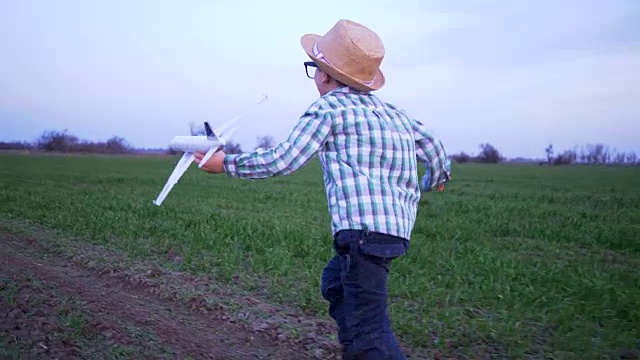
(511, 260)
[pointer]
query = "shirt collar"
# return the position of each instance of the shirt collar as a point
(345, 89)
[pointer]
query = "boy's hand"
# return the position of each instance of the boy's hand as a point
(214, 165)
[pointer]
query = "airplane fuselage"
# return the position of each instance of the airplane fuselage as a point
(194, 143)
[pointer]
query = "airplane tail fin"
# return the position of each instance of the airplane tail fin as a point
(207, 129)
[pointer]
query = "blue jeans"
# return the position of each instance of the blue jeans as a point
(355, 284)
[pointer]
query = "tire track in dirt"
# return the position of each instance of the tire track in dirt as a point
(116, 306)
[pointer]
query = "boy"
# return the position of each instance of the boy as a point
(369, 151)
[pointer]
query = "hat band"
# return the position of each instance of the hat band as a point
(317, 53)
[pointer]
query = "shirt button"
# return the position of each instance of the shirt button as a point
(361, 242)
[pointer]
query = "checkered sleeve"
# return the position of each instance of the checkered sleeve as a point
(430, 150)
(306, 138)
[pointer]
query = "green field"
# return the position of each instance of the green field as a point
(511, 260)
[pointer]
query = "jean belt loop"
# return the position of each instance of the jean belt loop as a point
(364, 233)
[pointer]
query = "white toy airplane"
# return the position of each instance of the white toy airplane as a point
(213, 141)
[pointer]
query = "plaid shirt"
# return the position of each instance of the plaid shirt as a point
(369, 152)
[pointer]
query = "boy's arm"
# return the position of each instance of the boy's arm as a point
(306, 138)
(430, 150)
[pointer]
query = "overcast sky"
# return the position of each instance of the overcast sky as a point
(516, 74)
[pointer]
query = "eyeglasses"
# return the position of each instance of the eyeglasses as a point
(310, 72)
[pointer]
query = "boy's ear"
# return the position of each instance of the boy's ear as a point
(325, 79)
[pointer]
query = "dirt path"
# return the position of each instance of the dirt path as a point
(84, 302)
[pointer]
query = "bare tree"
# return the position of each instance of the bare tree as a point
(265, 142)
(461, 158)
(197, 129)
(117, 145)
(232, 148)
(598, 154)
(632, 158)
(489, 154)
(549, 151)
(59, 141)
(583, 157)
(566, 158)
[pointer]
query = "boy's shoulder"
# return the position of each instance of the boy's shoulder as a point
(331, 101)
(397, 109)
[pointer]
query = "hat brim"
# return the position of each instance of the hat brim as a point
(307, 41)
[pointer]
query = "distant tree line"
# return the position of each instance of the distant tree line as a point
(63, 142)
(488, 155)
(15, 145)
(589, 154)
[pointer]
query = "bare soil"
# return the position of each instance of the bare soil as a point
(92, 304)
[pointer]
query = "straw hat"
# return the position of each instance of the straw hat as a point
(350, 53)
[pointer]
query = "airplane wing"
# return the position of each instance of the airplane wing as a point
(181, 167)
(217, 136)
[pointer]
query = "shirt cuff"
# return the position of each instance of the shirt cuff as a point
(229, 165)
